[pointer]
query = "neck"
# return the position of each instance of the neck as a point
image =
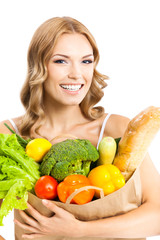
(62, 118)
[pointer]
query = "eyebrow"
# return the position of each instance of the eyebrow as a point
(62, 55)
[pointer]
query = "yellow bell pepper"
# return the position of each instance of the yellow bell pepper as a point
(108, 177)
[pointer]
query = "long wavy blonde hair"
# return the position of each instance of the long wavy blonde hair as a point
(39, 53)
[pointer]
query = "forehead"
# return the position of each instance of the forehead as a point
(73, 43)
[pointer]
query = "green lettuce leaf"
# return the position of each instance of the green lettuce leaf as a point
(3, 194)
(10, 147)
(16, 197)
(18, 175)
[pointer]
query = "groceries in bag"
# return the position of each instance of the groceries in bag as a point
(131, 148)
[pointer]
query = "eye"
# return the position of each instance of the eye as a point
(60, 61)
(87, 61)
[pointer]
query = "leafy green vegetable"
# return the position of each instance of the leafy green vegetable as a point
(22, 141)
(69, 157)
(18, 175)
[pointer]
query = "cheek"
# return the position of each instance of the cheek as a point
(49, 85)
(57, 72)
(54, 76)
(89, 76)
(88, 73)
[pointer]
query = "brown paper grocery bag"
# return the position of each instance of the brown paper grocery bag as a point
(123, 200)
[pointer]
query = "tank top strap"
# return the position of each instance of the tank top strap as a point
(102, 128)
(13, 125)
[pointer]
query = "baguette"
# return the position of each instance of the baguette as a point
(134, 144)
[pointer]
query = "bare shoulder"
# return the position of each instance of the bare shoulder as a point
(116, 125)
(4, 129)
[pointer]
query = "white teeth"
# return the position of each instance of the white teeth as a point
(71, 87)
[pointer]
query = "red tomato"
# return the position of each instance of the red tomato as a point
(46, 187)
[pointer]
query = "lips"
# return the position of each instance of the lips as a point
(71, 87)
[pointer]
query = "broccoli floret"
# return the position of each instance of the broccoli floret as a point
(72, 156)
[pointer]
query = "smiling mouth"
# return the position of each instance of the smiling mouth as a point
(70, 87)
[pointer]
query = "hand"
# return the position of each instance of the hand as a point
(62, 223)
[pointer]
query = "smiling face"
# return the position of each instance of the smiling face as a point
(70, 70)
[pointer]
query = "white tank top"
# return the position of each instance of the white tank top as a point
(102, 128)
(100, 135)
(14, 126)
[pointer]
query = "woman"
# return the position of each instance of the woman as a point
(59, 95)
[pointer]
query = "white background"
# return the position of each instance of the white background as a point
(127, 34)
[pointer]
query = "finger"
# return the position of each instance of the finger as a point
(29, 220)
(34, 213)
(32, 236)
(26, 227)
(54, 208)
(51, 206)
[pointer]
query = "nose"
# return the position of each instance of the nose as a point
(74, 72)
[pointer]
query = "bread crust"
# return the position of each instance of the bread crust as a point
(134, 144)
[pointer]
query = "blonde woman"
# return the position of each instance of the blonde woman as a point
(60, 93)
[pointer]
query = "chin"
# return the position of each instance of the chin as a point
(72, 101)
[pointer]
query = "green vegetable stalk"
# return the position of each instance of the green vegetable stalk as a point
(18, 175)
